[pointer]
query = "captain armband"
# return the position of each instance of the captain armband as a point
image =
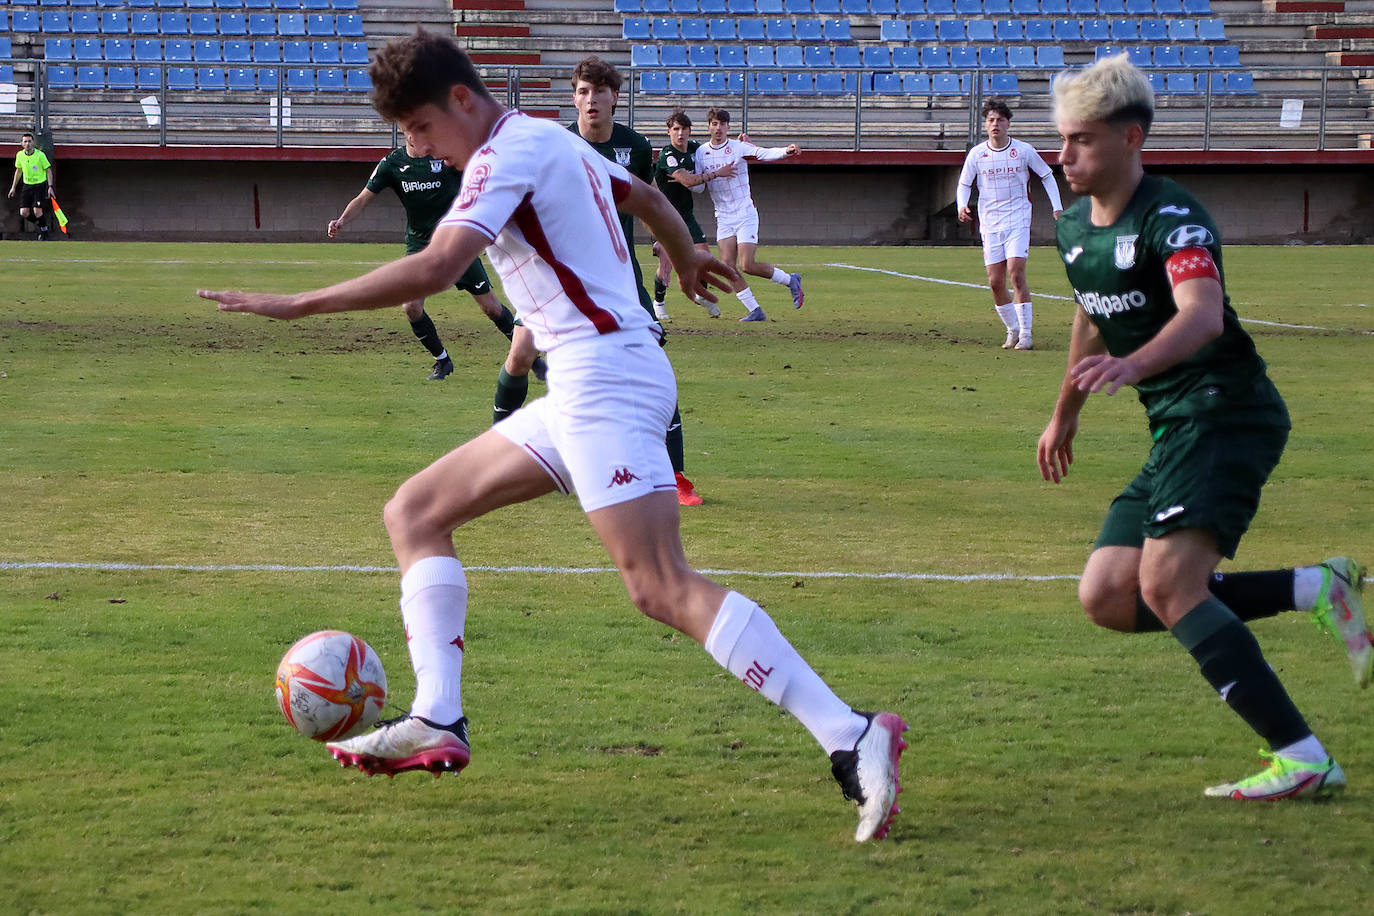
(1189, 264)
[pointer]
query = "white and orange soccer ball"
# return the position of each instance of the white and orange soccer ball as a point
(330, 685)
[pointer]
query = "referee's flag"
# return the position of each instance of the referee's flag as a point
(57, 211)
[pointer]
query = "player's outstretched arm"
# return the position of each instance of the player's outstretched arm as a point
(413, 277)
(696, 269)
(355, 206)
(1054, 451)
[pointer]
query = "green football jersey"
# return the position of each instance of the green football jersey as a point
(1120, 281)
(632, 150)
(426, 187)
(669, 161)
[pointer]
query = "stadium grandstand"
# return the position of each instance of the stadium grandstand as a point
(856, 82)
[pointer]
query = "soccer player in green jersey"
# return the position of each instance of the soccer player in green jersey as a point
(675, 162)
(31, 166)
(426, 187)
(1144, 261)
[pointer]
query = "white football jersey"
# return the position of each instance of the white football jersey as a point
(547, 201)
(1002, 175)
(730, 195)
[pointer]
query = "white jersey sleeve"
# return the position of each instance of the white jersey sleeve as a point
(967, 176)
(1046, 175)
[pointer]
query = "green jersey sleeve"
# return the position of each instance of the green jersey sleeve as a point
(382, 177)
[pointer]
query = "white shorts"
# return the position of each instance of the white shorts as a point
(743, 225)
(1004, 244)
(599, 431)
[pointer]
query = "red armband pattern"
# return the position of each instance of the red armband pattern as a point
(1190, 263)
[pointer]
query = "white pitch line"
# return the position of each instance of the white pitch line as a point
(1272, 324)
(547, 570)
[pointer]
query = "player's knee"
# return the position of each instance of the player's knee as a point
(1108, 602)
(658, 595)
(413, 310)
(407, 514)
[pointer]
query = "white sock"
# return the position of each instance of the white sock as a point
(745, 642)
(1023, 317)
(443, 355)
(434, 608)
(781, 277)
(1308, 750)
(1307, 585)
(1008, 315)
(746, 296)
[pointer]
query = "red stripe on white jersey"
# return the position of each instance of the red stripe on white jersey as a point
(526, 219)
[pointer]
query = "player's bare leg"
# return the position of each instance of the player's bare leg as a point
(484, 474)
(728, 251)
(643, 540)
(1021, 301)
(1002, 301)
(750, 265)
(422, 326)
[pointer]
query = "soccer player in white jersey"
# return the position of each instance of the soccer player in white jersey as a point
(720, 165)
(543, 204)
(1002, 167)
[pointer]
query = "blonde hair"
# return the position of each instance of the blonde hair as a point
(1111, 90)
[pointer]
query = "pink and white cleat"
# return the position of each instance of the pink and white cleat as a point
(868, 774)
(406, 743)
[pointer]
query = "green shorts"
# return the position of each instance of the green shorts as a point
(474, 280)
(1200, 474)
(698, 237)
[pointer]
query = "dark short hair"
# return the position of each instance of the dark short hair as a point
(998, 105)
(596, 71)
(679, 117)
(417, 70)
(27, 133)
(718, 114)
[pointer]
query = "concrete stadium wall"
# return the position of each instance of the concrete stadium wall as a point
(798, 204)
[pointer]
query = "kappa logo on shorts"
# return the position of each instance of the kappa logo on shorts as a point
(621, 477)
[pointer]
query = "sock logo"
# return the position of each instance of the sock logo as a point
(458, 641)
(621, 477)
(756, 675)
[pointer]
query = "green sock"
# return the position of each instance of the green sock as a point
(505, 323)
(673, 440)
(427, 334)
(510, 395)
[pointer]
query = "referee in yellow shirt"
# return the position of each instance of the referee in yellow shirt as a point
(37, 172)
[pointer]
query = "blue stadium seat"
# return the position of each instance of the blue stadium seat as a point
(118, 49)
(1025, 7)
(673, 55)
(892, 30)
(809, 30)
(962, 57)
(1168, 56)
(1199, 57)
(982, 30)
(834, 83)
(77, 3)
(628, 6)
(1225, 56)
(742, 7)
(1140, 7)
(911, 7)
(968, 7)
(1054, 7)
(149, 78)
(790, 56)
(826, 7)
(939, 7)
(643, 55)
(267, 52)
(1021, 57)
(770, 7)
(62, 77)
(90, 77)
(952, 30)
(1139, 55)
(933, 57)
(354, 53)
(693, 30)
(778, 29)
(1154, 30)
(315, 6)
(119, 77)
(86, 49)
(663, 29)
(752, 29)
(1182, 30)
(1211, 30)
(177, 49)
(320, 25)
(147, 49)
(1010, 30)
(1197, 7)
(1169, 7)
(295, 52)
(347, 6)
(877, 56)
(1001, 84)
(181, 78)
(349, 25)
(854, 7)
(299, 79)
(1125, 30)
(816, 56)
(268, 77)
(173, 24)
(53, 22)
(240, 78)
(916, 83)
(997, 7)
(1083, 7)
(714, 6)
(114, 22)
(992, 57)
(847, 57)
(882, 7)
(1240, 83)
(1096, 30)
(658, 6)
(262, 24)
(887, 83)
(711, 83)
(57, 49)
(759, 55)
(721, 29)
(1050, 57)
(682, 81)
(210, 78)
(945, 84)
(326, 52)
(238, 52)
(701, 55)
(1180, 84)
(1102, 51)
(769, 83)
(358, 81)
(86, 22)
(331, 79)
(837, 30)
(293, 25)
(202, 24)
(1039, 30)
(797, 7)
(923, 30)
(730, 57)
(1068, 30)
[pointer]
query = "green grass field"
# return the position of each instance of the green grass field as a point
(1055, 768)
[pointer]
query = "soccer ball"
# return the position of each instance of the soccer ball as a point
(330, 685)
